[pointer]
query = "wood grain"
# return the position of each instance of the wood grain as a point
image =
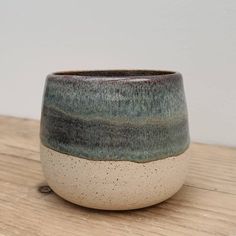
(206, 205)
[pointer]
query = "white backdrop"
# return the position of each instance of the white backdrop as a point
(197, 38)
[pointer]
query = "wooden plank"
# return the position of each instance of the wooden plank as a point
(206, 205)
(213, 168)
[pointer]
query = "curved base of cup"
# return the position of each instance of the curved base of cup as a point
(113, 185)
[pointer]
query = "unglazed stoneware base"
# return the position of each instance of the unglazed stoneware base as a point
(113, 185)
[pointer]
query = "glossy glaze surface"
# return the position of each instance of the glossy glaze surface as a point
(137, 116)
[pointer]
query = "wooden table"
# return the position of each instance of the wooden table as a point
(206, 205)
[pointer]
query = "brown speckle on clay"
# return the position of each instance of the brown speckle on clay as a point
(130, 185)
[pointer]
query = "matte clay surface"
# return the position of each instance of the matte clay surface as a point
(138, 116)
(113, 185)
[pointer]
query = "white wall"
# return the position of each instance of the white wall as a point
(197, 38)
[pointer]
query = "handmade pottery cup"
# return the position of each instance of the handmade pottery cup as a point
(114, 140)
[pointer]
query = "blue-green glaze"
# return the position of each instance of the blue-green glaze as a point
(136, 116)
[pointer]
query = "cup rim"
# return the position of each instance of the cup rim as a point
(114, 74)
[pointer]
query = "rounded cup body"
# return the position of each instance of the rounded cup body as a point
(119, 134)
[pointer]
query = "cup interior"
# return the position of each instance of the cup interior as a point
(115, 73)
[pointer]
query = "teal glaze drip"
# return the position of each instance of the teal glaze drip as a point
(132, 120)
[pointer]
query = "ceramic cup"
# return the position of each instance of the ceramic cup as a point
(114, 140)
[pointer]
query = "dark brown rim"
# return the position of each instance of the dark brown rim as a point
(114, 73)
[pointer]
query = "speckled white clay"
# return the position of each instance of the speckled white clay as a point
(113, 185)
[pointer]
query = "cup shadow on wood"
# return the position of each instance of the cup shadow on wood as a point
(159, 209)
